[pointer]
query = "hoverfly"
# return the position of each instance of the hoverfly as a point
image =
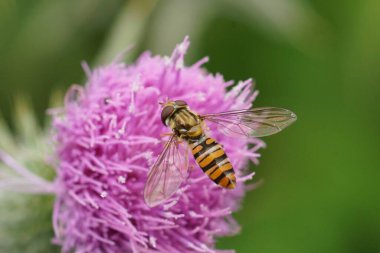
(172, 165)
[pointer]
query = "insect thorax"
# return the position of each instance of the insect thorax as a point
(186, 124)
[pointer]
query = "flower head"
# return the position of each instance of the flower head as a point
(108, 136)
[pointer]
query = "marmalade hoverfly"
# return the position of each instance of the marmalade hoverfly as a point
(172, 165)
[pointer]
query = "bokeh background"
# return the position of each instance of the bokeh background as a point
(321, 59)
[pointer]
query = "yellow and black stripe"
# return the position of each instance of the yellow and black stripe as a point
(212, 159)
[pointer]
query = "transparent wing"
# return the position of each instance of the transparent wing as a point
(167, 173)
(255, 122)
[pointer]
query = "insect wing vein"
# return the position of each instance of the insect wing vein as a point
(167, 173)
(256, 122)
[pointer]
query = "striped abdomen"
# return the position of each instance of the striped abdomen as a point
(214, 162)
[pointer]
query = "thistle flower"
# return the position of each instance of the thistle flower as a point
(109, 134)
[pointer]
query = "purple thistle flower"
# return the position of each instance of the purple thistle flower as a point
(108, 136)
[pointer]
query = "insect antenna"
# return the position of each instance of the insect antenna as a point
(166, 100)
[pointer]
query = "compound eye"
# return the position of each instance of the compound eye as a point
(180, 103)
(166, 112)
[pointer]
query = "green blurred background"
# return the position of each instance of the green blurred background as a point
(319, 58)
